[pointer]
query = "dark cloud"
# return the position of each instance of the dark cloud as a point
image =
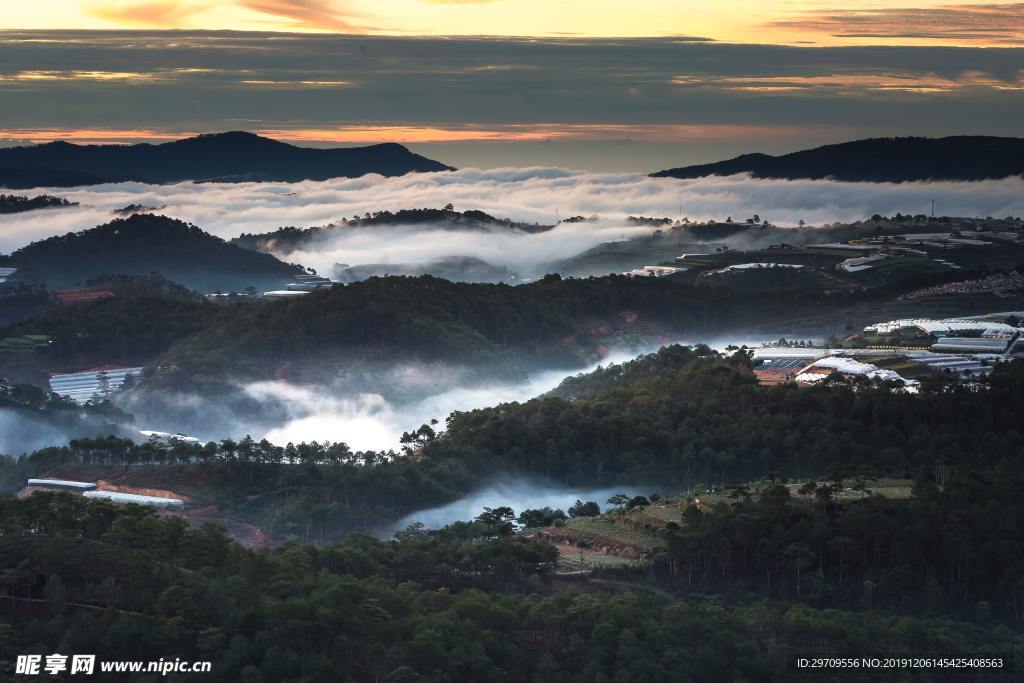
(193, 81)
(995, 23)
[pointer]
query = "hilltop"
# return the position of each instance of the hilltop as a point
(494, 327)
(12, 203)
(145, 243)
(878, 160)
(287, 239)
(227, 157)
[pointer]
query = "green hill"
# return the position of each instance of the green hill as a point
(145, 243)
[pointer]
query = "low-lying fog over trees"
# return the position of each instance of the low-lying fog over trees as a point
(532, 195)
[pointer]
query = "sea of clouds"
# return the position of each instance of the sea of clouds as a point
(538, 195)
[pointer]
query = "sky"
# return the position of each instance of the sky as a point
(600, 85)
(758, 21)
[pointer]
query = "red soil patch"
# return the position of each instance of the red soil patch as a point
(598, 543)
(246, 535)
(104, 485)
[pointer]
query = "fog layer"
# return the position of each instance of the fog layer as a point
(518, 494)
(370, 418)
(538, 195)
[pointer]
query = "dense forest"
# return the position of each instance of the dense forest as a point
(504, 329)
(696, 416)
(19, 301)
(553, 322)
(142, 244)
(948, 549)
(84, 576)
(937, 571)
(669, 421)
(129, 329)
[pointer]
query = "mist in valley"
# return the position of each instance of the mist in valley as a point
(531, 195)
(21, 432)
(517, 493)
(366, 416)
(372, 413)
(527, 254)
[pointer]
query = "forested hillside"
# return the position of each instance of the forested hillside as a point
(492, 331)
(700, 418)
(431, 607)
(553, 322)
(130, 329)
(287, 239)
(690, 416)
(145, 243)
(793, 519)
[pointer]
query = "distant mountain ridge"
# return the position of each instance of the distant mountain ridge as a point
(225, 157)
(878, 160)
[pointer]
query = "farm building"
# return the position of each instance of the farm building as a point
(167, 437)
(852, 265)
(308, 283)
(951, 327)
(842, 246)
(749, 266)
(85, 385)
(283, 294)
(117, 497)
(951, 362)
(822, 368)
(971, 345)
(653, 271)
(775, 369)
(62, 484)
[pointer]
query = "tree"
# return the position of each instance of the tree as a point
(619, 500)
(587, 509)
(637, 502)
(498, 521)
(541, 517)
(417, 439)
(103, 388)
(808, 488)
(692, 516)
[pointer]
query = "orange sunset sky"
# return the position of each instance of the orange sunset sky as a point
(590, 83)
(914, 22)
